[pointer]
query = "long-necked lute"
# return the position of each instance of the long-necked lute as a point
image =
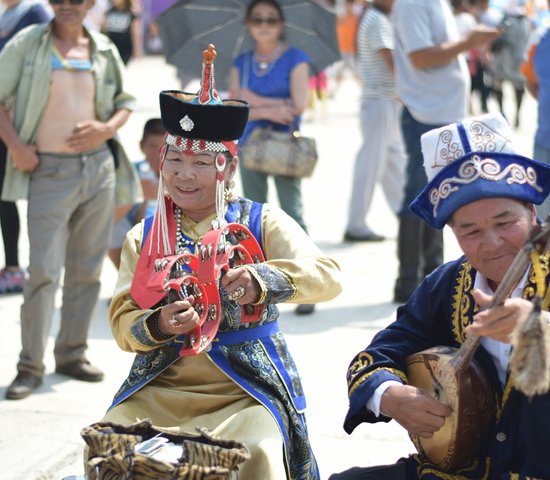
(451, 375)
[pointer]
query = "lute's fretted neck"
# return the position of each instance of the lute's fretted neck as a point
(505, 288)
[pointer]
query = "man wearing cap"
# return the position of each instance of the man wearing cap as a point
(486, 193)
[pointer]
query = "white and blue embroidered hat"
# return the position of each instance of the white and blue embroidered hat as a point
(473, 160)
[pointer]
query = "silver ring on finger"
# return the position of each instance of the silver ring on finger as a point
(237, 293)
(173, 322)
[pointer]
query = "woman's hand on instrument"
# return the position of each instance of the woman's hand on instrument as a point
(498, 322)
(179, 317)
(414, 410)
(241, 286)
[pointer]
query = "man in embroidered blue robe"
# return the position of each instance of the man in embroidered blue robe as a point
(487, 194)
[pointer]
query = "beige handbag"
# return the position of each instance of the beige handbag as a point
(118, 452)
(279, 153)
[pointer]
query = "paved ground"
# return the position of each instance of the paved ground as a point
(39, 436)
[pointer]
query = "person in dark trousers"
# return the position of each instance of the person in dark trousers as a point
(18, 15)
(273, 78)
(433, 83)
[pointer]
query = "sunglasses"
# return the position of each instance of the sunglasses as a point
(271, 21)
(72, 2)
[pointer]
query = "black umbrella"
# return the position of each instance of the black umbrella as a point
(189, 26)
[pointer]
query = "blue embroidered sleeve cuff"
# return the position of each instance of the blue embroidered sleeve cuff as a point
(141, 334)
(277, 286)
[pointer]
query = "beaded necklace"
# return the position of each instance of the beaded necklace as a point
(263, 64)
(184, 243)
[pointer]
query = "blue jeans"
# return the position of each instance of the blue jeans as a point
(416, 178)
(542, 154)
(419, 247)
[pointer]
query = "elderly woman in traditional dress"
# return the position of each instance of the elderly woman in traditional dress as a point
(244, 384)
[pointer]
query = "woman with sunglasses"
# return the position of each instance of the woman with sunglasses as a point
(68, 103)
(273, 79)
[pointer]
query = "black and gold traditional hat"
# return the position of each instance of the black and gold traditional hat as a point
(195, 124)
(203, 122)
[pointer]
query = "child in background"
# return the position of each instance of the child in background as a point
(317, 96)
(148, 170)
(123, 26)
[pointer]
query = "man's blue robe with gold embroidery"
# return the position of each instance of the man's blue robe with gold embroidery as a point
(437, 314)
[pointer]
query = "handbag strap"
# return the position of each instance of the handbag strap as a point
(246, 69)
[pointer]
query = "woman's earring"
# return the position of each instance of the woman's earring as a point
(229, 195)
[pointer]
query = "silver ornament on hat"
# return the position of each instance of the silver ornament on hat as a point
(187, 124)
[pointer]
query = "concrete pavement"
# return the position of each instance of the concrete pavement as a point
(39, 436)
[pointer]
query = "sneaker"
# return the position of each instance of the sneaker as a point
(12, 281)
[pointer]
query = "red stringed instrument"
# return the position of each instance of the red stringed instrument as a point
(452, 376)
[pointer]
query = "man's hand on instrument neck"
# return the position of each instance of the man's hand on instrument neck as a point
(498, 322)
(414, 410)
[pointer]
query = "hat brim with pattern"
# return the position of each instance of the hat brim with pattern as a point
(480, 175)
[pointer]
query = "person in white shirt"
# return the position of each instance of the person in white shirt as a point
(381, 158)
(433, 82)
(486, 193)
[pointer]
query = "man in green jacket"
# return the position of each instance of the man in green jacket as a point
(65, 86)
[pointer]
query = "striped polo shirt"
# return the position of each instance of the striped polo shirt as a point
(374, 33)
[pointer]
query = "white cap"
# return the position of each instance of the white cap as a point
(485, 133)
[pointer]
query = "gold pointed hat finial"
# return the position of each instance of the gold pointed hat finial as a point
(207, 93)
(209, 55)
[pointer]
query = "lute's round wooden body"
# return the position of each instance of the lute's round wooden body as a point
(470, 397)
